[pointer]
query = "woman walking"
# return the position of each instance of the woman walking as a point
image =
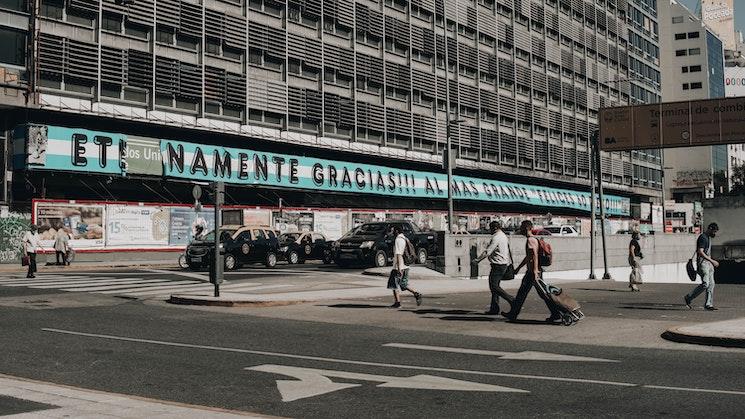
(635, 261)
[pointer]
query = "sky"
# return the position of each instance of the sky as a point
(739, 12)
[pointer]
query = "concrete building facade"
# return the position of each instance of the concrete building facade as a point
(364, 81)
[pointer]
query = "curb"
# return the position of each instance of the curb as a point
(676, 335)
(201, 301)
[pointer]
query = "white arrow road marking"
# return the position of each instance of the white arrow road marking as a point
(382, 364)
(314, 382)
(521, 356)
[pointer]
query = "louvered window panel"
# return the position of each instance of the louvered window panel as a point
(313, 105)
(425, 4)
(468, 56)
(370, 116)
(567, 92)
(556, 158)
(553, 52)
(331, 110)
(235, 92)
(541, 154)
(565, 25)
(306, 49)
(397, 29)
(487, 23)
(271, 40)
(51, 54)
(580, 96)
(554, 119)
(540, 82)
(524, 111)
(271, 95)
(417, 38)
(538, 47)
(508, 148)
(582, 130)
(190, 19)
(168, 12)
(424, 127)
(341, 10)
(569, 124)
(370, 67)
(215, 84)
(506, 69)
(489, 101)
(570, 161)
(138, 11)
(474, 142)
(140, 69)
(507, 106)
(168, 75)
(469, 96)
(190, 81)
(540, 116)
(346, 112)
(114, 65)
(453, 86)
(536, 13)
(398, 122)
(523, 75)
(424, 82)
(567, 60)
(583, 161)
(311, 7)
(81, 60)
(488, 63)
(369, 20)
(341, 59)
(428, 36)
(607, 165)
(87, 6)
(617, 167)
(397, 75)
(441, 86)
(526, 151)
(452, 49)
(551, 19)
(522, 38)
(231, 29)
(490, 141)
(441, 45)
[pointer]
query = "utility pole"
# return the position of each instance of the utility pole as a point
(448, 144)
(592, 213)
(217, 263)
(599, 175)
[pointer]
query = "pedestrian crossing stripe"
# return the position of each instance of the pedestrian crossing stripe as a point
(147, 287)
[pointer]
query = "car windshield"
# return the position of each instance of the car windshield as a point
(554, 230)
(210, 237)
(289, 237)
(370, 228)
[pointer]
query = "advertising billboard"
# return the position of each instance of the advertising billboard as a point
(719, 15)
(84, 223)
(136, 225)
(184, 222)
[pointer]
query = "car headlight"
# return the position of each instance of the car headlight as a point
(366, 245)
(283, 249)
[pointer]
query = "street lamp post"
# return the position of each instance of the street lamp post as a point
(447, 155)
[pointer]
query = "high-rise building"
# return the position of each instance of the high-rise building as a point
(362, 81)
(693, 65)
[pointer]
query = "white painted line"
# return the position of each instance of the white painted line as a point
(522, 356)
(169, 284)
(697, 390)
(44, 285)
(341, 361)
(46, 279)
(94, 287)
(204, 278)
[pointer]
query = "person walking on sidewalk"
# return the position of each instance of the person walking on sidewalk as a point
(500, 259)
(706, 266)
(531, 275)
(30, 246)
(61, 246)
(399, 278)
(635, 261)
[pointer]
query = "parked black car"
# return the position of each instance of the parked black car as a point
(372, 244)
(241, 244)
(302, 246)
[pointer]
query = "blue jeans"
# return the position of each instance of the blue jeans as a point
(706, 270)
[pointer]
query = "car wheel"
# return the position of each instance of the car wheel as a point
(421, 256)
(381, 259)
(230, 263)
(182, 263)
(293, 257)
(327, 258)
(271, 260)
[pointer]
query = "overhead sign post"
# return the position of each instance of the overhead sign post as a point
(217, 263)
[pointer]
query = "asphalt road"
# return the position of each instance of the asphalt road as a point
(320, 369)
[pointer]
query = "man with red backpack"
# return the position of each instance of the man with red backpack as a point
(537, 255)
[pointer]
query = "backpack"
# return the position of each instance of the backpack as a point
(545, 256)
(409, 253)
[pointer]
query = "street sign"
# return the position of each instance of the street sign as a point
(673, 124)
(196, 192)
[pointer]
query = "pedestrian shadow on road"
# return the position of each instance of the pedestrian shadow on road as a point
(602, 290)
(653, 306)
(440, 311)
(357, 306)
(468, 318)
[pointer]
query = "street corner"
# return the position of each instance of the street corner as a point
(230, 300)
(729, 333)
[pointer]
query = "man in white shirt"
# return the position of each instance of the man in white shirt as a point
(399, 277)
(500, 258)
(30, 245)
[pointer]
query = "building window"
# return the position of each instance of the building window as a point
(679, 36)
(111, 22)
(693, 35)
(420, 13)
(680, 53)
(164, 35)
(399, 5)
(17, 5)
(686, 86)
(302, 124)
(267, 6)
(695, 68)
(392, 46)
(421, 56)
(395, 93)
(677, 19)
(265, 117)
(136, 30)
(694, 51)
(187, 42)
(684, 69)
(52, 9)
(331, 26)
(14, 47)
(333, 76)
(367, 38)
(422, 99)
(212, 46)
(295, 15)
(260, 58)
(696, 85)
(366, 85)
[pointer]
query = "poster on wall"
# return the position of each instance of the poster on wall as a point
(184, 222)
(424, 220)
(330, 224)
(84, 224)
(657, 218)
(136, 225)
(256, 217)
(359, 218)
(293, 221)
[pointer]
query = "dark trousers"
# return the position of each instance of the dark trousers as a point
(31, 263)
(522, 294)
(495, 277)
(61, 256)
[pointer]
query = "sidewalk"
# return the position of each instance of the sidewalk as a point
(33, 399)
(729, 333)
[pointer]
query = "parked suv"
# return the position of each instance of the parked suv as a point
(372, 244)
(302, 246)
(241, 245)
